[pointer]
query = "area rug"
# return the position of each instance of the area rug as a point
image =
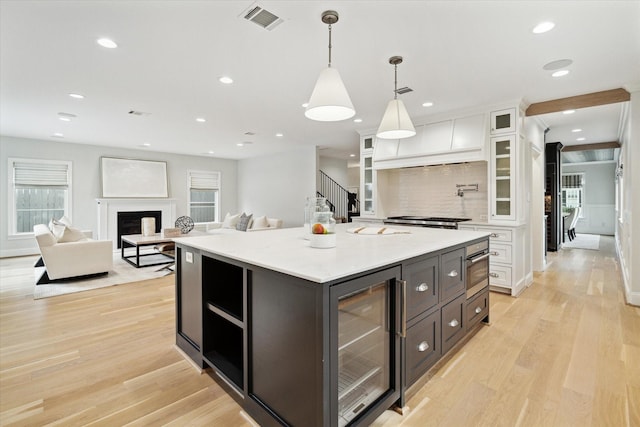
(583, 241)
(121, 273)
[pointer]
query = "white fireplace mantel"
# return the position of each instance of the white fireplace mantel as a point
(108, 214)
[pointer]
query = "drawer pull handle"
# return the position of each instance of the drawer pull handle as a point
(454, 323)
(422, 287)
(494, 275)
(494, 253)
(453, 273)
(494, 235)
(423, 346)
(478, 310)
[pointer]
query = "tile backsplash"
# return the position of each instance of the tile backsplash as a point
(432, 191)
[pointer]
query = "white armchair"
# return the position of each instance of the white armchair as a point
(70, 259)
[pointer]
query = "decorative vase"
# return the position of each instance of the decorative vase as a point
(323, 233)
(313, 205)
(148, 226)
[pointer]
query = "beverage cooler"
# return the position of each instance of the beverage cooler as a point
(365, 323)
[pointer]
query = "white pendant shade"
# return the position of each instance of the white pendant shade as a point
(329, 101)
(396, 123)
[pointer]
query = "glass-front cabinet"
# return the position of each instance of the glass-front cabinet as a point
(503, 155)
(367, 177)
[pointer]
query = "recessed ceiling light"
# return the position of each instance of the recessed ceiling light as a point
(357, 120)
(543, 27)
(76, 96)
(556, 65)
(568, 111)
(305, 105)
(427, 104)
(279, 135)
(108, 43)
(352, 155)
(240, 144)
(64, 119)
(576, 130)
(58, 135)
(580, 139)
(226, 80)
(210, 152)
(200, 120)
(146, 144)
(560, 73)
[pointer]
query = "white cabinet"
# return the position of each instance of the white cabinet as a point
(367, 176)
(507, 257)
(503, 121)
(503, 180)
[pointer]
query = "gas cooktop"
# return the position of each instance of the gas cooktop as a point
(426, 221)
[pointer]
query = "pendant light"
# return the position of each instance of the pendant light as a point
(329, 101)
(396, 123)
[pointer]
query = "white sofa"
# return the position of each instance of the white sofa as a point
(63, 259)
(256, 224)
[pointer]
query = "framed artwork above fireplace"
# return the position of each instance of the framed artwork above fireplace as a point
(133, 178)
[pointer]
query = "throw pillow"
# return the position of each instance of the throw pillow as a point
(243, 222)
(57, 228)
(230, 221)
(71, 234)
(260, 222)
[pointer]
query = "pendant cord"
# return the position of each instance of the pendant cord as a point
(395, 82)
(329, 45)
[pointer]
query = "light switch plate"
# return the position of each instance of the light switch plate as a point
(189, 257)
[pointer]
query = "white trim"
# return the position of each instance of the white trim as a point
(9, 253)
(11, 214)
(631, 297)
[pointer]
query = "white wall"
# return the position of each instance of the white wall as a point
(628, 241)
(598, 215)
(534, 138)
(86, 180)
(336, 169)
(278, 185)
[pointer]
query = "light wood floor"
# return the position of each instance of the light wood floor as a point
(565, 353)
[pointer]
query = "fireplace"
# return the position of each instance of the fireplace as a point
(108, 210)
(131, 222)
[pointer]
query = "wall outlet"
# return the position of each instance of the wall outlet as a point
(483, 217)
(189, 257)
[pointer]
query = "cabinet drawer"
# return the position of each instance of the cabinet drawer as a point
(422, 346)
(477, 308)
(500, 253)
(422, 286)
(499, 275)
(453, 327)
(499, 235)
(452, 274)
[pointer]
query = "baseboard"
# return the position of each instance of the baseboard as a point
(631, 297)
(8, 253)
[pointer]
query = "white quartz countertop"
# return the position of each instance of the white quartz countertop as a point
(286, 251)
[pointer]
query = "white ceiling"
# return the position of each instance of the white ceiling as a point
(457, 54)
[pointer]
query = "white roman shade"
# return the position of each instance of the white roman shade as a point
(41, 174)
(200, 180)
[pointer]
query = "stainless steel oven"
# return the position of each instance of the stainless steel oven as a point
(477, 267)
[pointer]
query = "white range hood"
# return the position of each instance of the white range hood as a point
(457, 140)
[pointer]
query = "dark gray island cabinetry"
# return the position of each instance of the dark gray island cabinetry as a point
(322, 337)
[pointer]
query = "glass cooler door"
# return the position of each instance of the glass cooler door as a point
(365, 348)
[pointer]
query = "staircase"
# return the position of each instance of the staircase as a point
(343, 204)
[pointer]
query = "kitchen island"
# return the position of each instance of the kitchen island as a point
(323, 337)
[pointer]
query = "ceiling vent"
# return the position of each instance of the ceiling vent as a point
(262, 17)
(403, 90)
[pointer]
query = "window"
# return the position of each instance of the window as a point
(204, 188)
(40, 191)
(573, 191)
